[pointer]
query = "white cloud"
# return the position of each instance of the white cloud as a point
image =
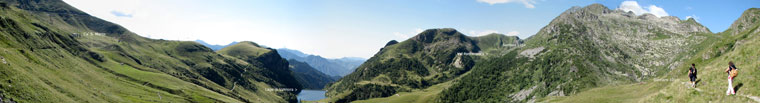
(404, 36)
(657, 11)
(527, 3)
(401, 36)
(418, 31)
(486, 32)
(696, 18)
(183, 21)
(634, 7)
(512, 33)
(481, 33)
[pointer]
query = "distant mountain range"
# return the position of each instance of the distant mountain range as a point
(309, 77)
(215, 47)
(334, 67)
(328, 70)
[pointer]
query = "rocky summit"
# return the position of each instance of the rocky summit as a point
(582, 48)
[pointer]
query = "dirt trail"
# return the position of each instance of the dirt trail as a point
(754, 98)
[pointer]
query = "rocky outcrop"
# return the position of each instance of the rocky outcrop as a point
(646, 41)
(747, 20)
(421, 61)
(582, 48)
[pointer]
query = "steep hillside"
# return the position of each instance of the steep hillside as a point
(267, 58)
(426, 59)
(582, 48)
(53, 52)
(738, 44)
(333, 67)
(498, 44)
(491, 46)
(309, 77)
(745, 22)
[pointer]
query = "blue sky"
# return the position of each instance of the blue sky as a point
(359, 28)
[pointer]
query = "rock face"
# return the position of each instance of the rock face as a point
(584, 47)
(747, 20)
(275, 66)
(531, 53)
(645, 42)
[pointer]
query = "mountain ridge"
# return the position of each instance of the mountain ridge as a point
(308, 76)
(334, 67)
(56, 53)
(215, 47)
(584, 47)
(423, 60)
(734, 44)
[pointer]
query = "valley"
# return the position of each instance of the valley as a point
(54, 52)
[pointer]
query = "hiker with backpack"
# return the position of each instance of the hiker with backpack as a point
(693, 75)
(732, 72)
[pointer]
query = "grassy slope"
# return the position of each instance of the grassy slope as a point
(176, 65)
(492, 44)
(417, 63)
(53, 73)
(497, 44)
(711, 60)
(192, 63)
(244, 49)
(427, 95)
(551, 77)
(275, 68)
(50, 62)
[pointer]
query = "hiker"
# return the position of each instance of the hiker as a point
(693, 75)
(732, 72)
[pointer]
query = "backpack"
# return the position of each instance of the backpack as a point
(694, 71)
(733, 72)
